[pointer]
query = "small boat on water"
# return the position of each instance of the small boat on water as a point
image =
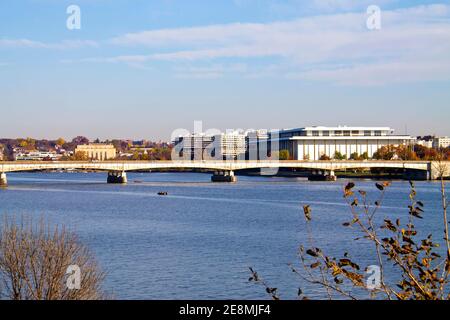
(163, 193)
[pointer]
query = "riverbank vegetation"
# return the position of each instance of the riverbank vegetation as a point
(65, 150)
(40, 262)
(406, 153)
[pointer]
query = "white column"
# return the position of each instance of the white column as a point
(3, 179)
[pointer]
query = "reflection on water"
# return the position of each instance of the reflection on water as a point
(198, 242)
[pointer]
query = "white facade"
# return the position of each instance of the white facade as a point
(202, 146)
(311, 143)
(425, 143)
(36, 156)
(441, 142)
(232, 145)
(257, 146)
(97, 151)
(193, 146)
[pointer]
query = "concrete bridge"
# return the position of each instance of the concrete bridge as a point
(224, 170)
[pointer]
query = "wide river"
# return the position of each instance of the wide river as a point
(199, 240)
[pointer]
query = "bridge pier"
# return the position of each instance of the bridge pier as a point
(224, 176)
(3, 179)
(322, 175)
(117, 177)
(438, 170)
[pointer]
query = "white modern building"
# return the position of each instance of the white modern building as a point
(257, 146)
(441, 142)
(232, 145)
(425, 143)
(36, 156)
(311, 143)
(193, 146)
(202, 146)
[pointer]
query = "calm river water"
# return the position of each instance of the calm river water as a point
(198, 242)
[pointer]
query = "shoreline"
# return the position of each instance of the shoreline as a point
(252, 173)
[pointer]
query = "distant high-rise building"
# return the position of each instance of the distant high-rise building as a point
(232, 145)
(257, 146)
(441, 142)
(194, 146)
(201, 146)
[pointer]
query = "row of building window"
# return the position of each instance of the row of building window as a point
(345, 133)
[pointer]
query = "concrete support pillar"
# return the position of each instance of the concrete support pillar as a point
(430, 172)
(331, 176)
(223, 176)
(3, 180)
(438, 169)
(322, 176)
(117, 177)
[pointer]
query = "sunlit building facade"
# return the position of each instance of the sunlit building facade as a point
(315, 143)
(97, 151)
(201, 146)
(441, 142)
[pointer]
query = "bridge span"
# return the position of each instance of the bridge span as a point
(223, 170)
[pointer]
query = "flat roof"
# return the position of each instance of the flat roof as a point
(338, 128)
(95, 145)
(393, 137)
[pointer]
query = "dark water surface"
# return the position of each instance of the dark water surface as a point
(198, 242)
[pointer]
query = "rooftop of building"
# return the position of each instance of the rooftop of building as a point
(95, 146)
(206, 134)
(337, 128)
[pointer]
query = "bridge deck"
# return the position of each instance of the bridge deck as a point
(209, 165)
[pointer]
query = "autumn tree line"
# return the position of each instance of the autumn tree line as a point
(148, 150)
(153, 150)
(407, 153)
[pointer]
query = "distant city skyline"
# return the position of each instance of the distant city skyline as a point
(143, 69)
(206, 131)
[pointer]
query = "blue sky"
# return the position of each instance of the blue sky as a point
(141, 69)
